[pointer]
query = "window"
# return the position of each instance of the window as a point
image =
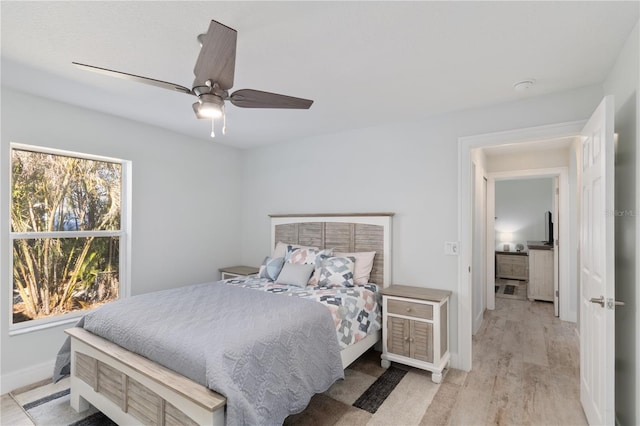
(67, 234)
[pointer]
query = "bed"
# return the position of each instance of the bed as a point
(130, 388)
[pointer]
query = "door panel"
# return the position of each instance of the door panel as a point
(398, 332)
(597, 324)
(421, 341)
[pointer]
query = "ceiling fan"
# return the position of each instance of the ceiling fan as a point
(213, 78)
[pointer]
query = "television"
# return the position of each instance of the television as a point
(548, 228)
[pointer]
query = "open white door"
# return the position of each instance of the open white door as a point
(597, 308)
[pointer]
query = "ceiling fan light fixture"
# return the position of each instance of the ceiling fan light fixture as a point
(210, 106)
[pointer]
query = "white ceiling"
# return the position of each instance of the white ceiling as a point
(363, 63)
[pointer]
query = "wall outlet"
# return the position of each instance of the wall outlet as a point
(451, 248)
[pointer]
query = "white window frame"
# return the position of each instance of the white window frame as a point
(124, 235)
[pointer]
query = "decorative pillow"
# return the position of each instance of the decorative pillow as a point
(296, 274)
(271, 268)
(305, 255)
(337, 272)
(364, 265)
(320, 257)
(280, 250)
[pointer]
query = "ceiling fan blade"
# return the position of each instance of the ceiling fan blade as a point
(133, 77)
(249, 98)
(217, 59)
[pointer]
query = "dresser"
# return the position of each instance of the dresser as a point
(541, 272)
(415, 328)
(512, 265)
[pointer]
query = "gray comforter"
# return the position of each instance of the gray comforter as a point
(267, 354)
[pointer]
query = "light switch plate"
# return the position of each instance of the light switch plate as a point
(451, 248)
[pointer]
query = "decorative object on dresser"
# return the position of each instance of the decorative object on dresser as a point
(239, 271)
(512, 265)
(415, 328)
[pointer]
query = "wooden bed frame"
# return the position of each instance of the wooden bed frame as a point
(131, 389)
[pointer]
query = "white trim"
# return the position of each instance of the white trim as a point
(124, 234)
(27, 376)
(465, 145)
(63, 234)
(490, 245)
(61, 152)
(44, 323)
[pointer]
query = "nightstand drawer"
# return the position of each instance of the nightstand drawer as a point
(417, 310)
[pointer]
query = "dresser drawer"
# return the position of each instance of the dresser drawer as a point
(412, 309)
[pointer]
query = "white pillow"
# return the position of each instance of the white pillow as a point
(296, 274)
(364, 265)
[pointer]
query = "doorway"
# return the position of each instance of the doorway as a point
(524, 228)
(467, 146)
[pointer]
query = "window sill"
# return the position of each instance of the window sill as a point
(45, 323)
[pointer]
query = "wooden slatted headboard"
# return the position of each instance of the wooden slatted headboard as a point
(343, 232)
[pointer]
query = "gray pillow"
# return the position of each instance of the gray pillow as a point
(295, 274)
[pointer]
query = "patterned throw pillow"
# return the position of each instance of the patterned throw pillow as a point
(281, 249)
(364, 265)
(305, 255)
(337, 272)
(271, 268)
(308, 256)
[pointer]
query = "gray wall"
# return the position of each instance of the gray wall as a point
(408, 168)
(623, 84)
(520, 207)
(184, 213)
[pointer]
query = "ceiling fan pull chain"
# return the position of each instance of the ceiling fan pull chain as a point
(224, 121)
(213, 126)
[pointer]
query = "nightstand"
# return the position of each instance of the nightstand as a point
(415, 328)
(237, 272)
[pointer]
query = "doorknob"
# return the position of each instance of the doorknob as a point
(611, 304)
(599, 300)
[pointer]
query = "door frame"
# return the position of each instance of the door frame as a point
(462, 359)
(561, 253)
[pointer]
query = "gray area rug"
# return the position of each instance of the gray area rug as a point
(511, 289)
(398, 395)
(53, 409)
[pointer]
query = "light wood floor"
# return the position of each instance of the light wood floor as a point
(525, 372)
(12, 414)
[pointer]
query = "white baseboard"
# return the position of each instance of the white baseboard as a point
(27, 376)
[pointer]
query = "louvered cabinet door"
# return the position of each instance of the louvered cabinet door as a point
(421, 340)
(398, 330)
(415, 329)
